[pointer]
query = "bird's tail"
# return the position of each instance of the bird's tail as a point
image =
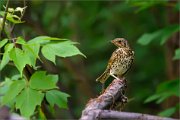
(103, 77)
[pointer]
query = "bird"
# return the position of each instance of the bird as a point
(119, 62)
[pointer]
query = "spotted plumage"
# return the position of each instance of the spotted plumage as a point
(120, 61)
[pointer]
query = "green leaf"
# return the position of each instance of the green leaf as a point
(5, 58)
(11, 10)
(15, 88)
(44, 39)
(152, 98)
(12, 18)
(56, 97)
(163, 91)
(16, 77)
(41, 81)
(168, 112)
(162, 35)
(163, 97)
(27, 101)
(164, 87)
(4, 87)
(177, 54)
(20, 59)
(32, 51)
(20, 40)
(142, 5)
(28, 55)
(168, 32)
(62, 49)
(3, 42)
(177, 6)
(146, 38)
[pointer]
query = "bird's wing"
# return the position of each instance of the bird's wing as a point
(113, 57)
(130, 53)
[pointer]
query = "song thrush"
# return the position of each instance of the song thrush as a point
(120, 61)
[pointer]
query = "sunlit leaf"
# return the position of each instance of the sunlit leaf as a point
(3, 42)
(20, 59)
(6, 27)
(20, 40)
(4, 87)
(168, 112)
(15, 88)
(146, 38)
(57, 97)
(12, 18)
(41, 81)
(62, 49)
(6, 58)
(44, 39)
(32, 51)
(27, 101)
(162, 35)
(11, 10)
(152, 98)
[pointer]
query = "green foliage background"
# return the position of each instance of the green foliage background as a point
(145, 24)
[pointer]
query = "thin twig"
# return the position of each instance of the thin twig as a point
(4, 18)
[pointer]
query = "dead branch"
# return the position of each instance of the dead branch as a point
(103, 107)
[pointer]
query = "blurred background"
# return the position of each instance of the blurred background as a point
(151, 28)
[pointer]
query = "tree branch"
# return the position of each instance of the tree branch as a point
(110, 114)
(98, 108)
(114, 93)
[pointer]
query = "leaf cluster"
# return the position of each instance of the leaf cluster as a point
(22, 92)
(27, 95)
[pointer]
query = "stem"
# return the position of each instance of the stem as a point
(24, 4)
(4, 18)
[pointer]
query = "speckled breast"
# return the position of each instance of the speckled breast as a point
(123, 61)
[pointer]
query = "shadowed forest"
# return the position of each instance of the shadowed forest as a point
(151, 28)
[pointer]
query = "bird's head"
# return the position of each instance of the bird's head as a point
(120, 42)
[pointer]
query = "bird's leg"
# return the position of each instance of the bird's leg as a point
(114, 76)
(118, 78)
